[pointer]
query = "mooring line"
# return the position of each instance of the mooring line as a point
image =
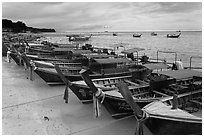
(31, 102)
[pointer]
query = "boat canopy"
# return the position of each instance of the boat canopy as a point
(128, 51)
(182, 74)
(98, 56)
(77, 51)
(102, 48)
(62, 49)
(154, 66)
(166, 51)
(112, 60)
(35, 45)
(73, 45)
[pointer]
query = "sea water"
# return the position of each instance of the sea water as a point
(188, 44)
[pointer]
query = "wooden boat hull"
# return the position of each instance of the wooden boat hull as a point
(173, 36)
(51, 77)
(38, 50)
(119, 108)
(185, 120)
(46, 58)
(15, 58)
(137, 36)
(169, 127)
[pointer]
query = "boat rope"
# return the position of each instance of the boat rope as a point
(32, 66)
(20, 58)
(96, 104)
(9, 56)
(140, 122)
(66, 94)
(100, 94)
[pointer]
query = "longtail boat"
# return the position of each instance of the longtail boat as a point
(185, 120)
(170, 115)
(175, 115)
(173, 35)
(144, 93)
(84, 93)
(100, 68)
(136, 35)
(134, 80)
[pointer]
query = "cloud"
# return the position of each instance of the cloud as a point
(96, 15)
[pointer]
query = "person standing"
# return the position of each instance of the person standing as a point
(179, 64)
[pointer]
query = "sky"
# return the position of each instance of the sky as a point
(110, 16)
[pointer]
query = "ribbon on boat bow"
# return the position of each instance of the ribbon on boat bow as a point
(140, 114)
(66, 94)
(32, 68)
(140, 122)
(66, 82)
(20, 58)
(99, 95)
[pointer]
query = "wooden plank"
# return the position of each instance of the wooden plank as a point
(132, 83)
(139, 94)
(143, 82)
(157, 92)
(167, 90)
(196, 102)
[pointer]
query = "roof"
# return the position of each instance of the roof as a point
(77, 51)
(101, 48)
(35, 44)
(182, 74)
(128, 51)
(62, 49)
(98, 56)
(154, 66)
(112, 60)
(166, 51)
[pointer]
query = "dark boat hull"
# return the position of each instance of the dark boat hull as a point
(137, 36)
(173, 36)
(49, 78)
(40, 50)
(47, 58)
(170, 127)
(119, 108)
(15, 58)
(53, 78)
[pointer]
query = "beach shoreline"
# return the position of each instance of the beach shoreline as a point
(26, 105)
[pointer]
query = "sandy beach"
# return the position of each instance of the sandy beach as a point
(35, 108)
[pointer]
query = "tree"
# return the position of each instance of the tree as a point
(7, 23)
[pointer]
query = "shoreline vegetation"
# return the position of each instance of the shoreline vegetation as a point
(20, 27)
(12, 32)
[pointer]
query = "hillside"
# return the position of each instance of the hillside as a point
(19, 26)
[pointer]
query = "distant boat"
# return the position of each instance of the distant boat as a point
(114, 34)
(137, 35)
(173, 35)
(79, 38)
(153, 34)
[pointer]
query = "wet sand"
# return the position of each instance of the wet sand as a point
(35, 108)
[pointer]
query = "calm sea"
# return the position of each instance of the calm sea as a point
(188, 44)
